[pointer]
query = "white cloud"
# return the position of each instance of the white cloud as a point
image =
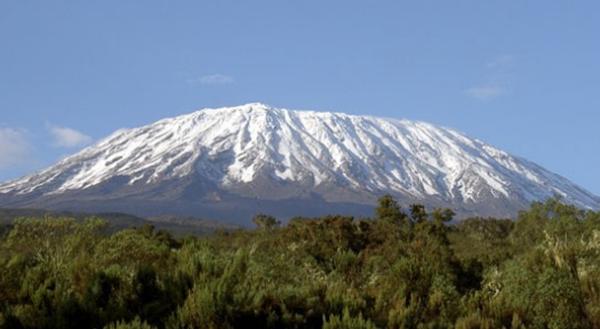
(485, 92)
(14, 147)
(67, 137)
(498, 76)
(213, 79)
(501, 62)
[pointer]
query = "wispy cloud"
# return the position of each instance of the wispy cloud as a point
(485, 92)
(68, 137)
(497, 79)
(213, 79)
(15, 149)
(501, 62)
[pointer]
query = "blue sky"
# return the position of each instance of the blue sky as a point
(521, 75)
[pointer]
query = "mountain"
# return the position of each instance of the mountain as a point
(230, 163)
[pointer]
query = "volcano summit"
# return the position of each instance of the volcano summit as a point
(230, 163)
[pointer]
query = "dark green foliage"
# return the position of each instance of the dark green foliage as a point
(388, 209)
(265, 222)
(395, 271)
(135, 324)
(346, 321)
(418, 213)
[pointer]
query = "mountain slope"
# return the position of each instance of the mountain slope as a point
(254, 156)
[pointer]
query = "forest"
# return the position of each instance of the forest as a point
(407, 267)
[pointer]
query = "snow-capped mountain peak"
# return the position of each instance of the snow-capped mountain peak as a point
(262, 152)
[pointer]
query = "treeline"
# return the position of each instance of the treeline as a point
(405, 268)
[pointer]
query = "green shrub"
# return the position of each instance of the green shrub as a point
(347, 321)
(135, 324)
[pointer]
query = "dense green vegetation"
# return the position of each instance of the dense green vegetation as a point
(402, 269)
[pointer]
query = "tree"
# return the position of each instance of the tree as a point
(388, 209)
(442, 215)
(418, 213)
(265, 222)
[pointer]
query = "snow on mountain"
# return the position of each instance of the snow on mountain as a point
(262, 152)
